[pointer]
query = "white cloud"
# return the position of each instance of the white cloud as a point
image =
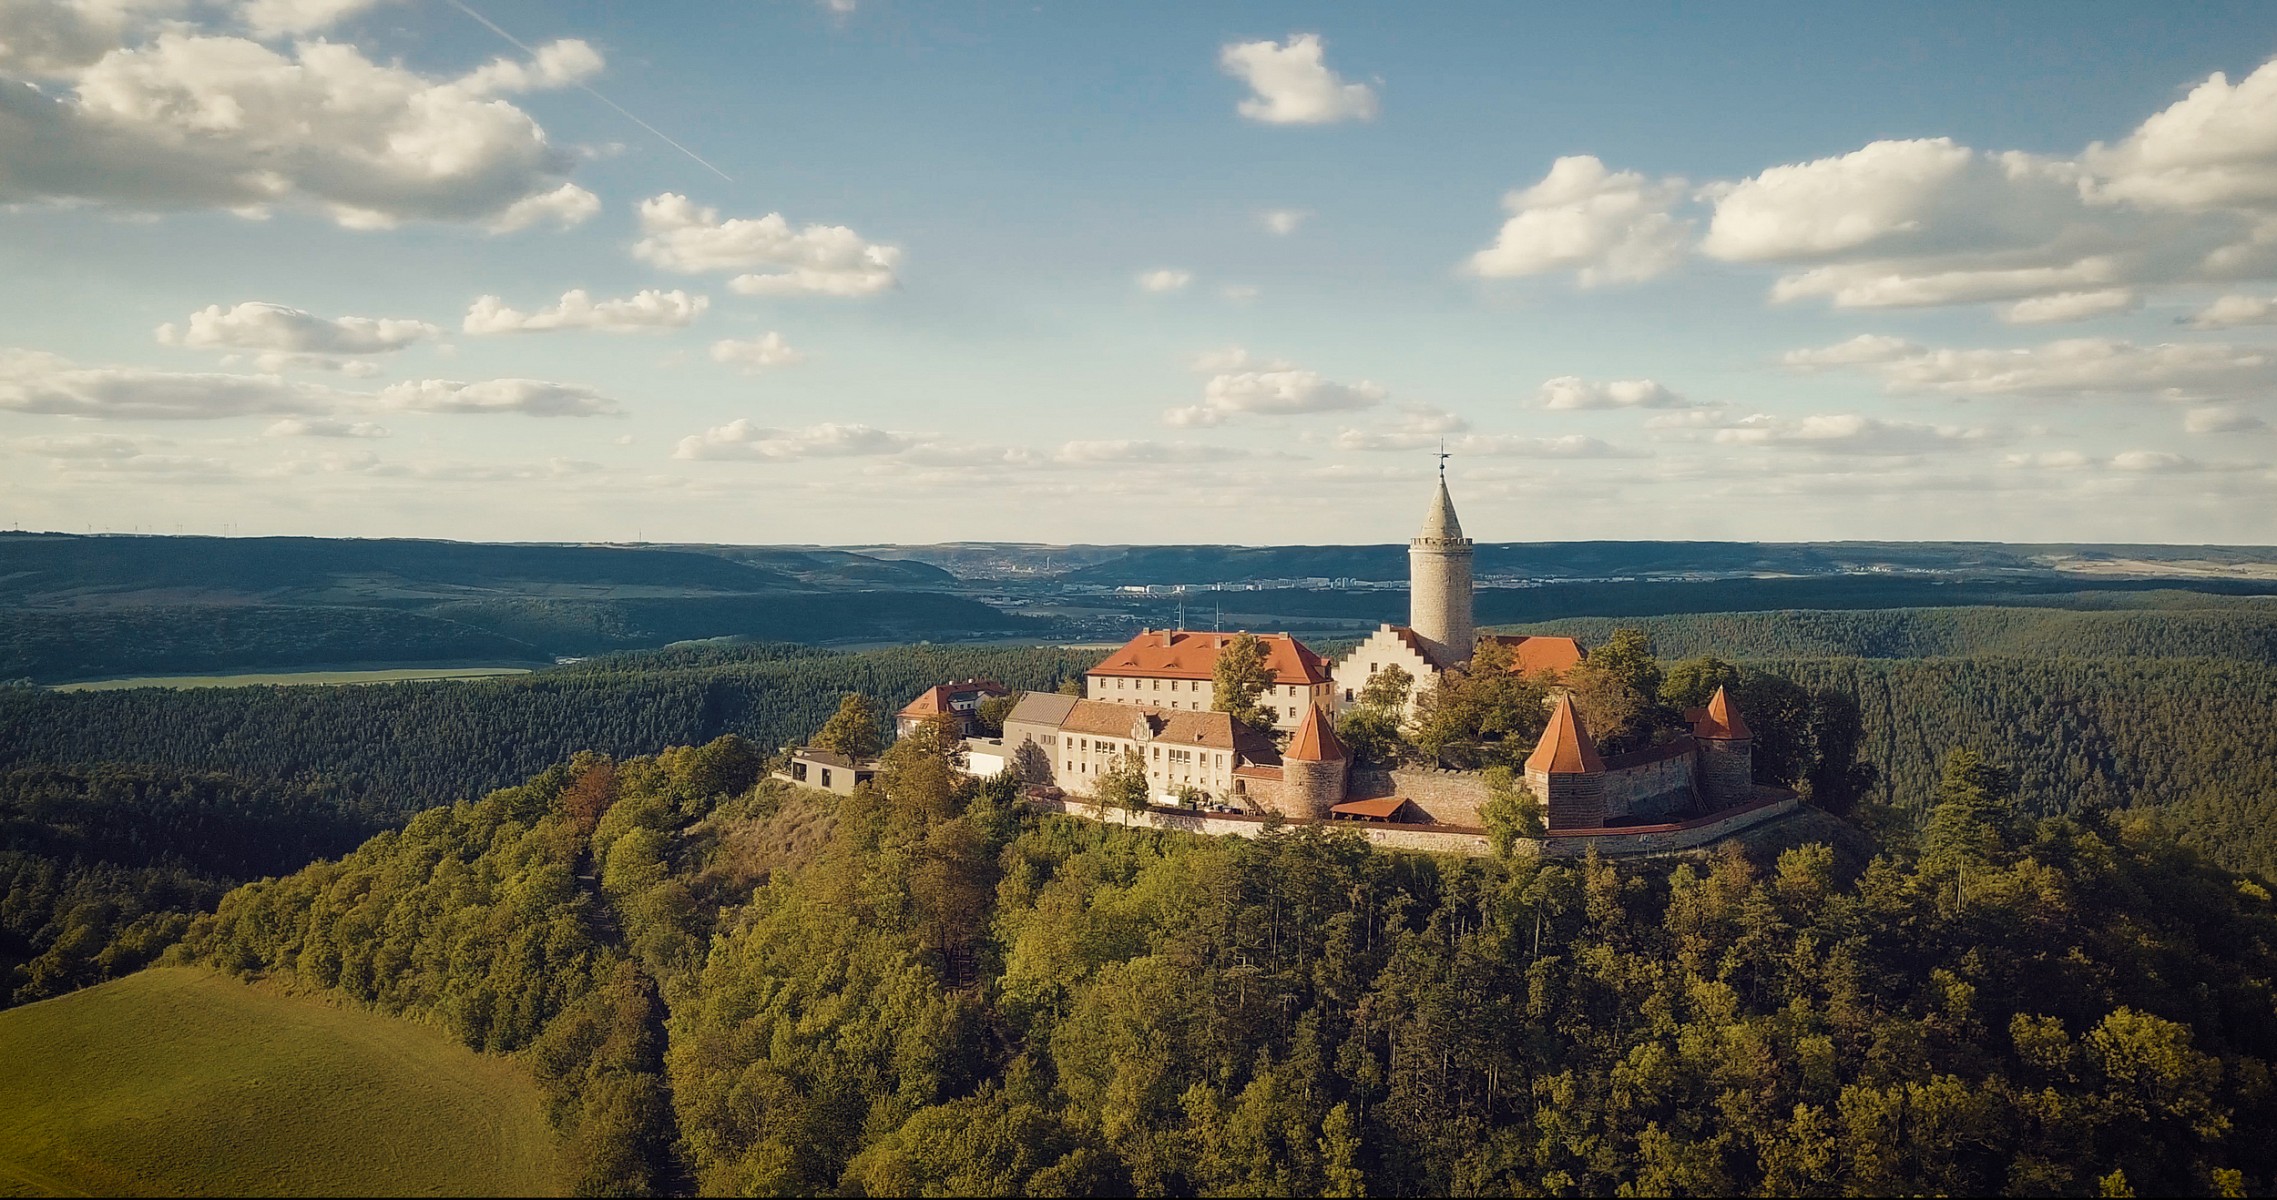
(756, 354)
(530, 397)
(1481, 445)
(1846, 433)
(1166, 279)
(82, 445)
(254, 325)
(2071, 306)
(2152, 460)
(1281, 222)
(2214, 148)
(1888, 190)
(1573, 393)
(2075, 366)
(185, 121)
(52, 37)
(1606, 227)
(1239, 293)
(1141, 451)
(740, 439)
(648, 310)
(819, 260)
(2221, 418)
(2051, 460)
(37, 382)
(1292, 85)
(565, 206)
(284, 18)
(2229, 311)
(561, 64)
(323, 427)
(1276, 392)
(1864, 349)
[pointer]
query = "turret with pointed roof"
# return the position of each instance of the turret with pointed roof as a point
(1727, 752)
(1314, 740)
(1565, 748)
(1439, 583)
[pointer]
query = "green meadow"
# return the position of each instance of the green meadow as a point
(292, 678)
(182, 1081)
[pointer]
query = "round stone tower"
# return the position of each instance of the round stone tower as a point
(1313, 769)
(1439, 583)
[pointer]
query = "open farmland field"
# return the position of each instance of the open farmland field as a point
(182, 1081)
(293, 678)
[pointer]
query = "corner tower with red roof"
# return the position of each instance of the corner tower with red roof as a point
(1314, 768)
(1566, 771)
(1727, 751)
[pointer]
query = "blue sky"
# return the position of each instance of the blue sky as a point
(1161, 273)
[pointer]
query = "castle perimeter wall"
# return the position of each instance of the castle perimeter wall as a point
(1627, 842)
(1447, 797)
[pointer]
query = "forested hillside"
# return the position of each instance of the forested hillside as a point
(408, 746)
(102, 867)
(2239, 630)
(948, 998)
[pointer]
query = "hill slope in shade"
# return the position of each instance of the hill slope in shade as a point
(181, 1081)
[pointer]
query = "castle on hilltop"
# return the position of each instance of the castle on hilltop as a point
(1154, 697)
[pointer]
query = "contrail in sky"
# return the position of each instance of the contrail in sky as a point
(526, 48)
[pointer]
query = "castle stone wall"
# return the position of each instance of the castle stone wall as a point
(1661, 789)
(1727, 770)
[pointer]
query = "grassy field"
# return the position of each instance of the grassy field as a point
(292, 678)
(181, 1081)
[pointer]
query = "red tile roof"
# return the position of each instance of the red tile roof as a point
(1314, 741)
(1381, 809)
(1720, 719)
(1565, 748)
(1183, 654)
(935, 700)
(1531, 655)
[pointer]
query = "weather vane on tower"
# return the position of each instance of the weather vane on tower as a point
(1442, 460)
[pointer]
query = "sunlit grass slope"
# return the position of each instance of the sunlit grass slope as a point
(180, 1081)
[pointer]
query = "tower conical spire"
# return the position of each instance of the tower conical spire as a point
(1439, 582)
(1440, 523)
(1565, 748)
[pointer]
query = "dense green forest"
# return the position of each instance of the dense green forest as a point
(945, 997)
(2191, 733)
(2242, 631)
(408, 746)
(101, 868)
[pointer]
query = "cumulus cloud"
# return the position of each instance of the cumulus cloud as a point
(1604, 226)
(648, 310)
(1292, 85)
(1481, 445)
(1142, 451)
(2071, 306)
(37, 382)
(286, 18)
(324, 427)
(2221, 418)
(1866, 348)
(1846, 433)
(2152, 460)
(530, 397)
(741, 440)
(1573, 393)
(254, 325)
(80, 445)
(188, 121)
(1277, 391)
(2231, 311)
(1281, 222)
(775, 260)
(1166, 279)
(757, 354)
(2214, 148)
(2074, 366)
